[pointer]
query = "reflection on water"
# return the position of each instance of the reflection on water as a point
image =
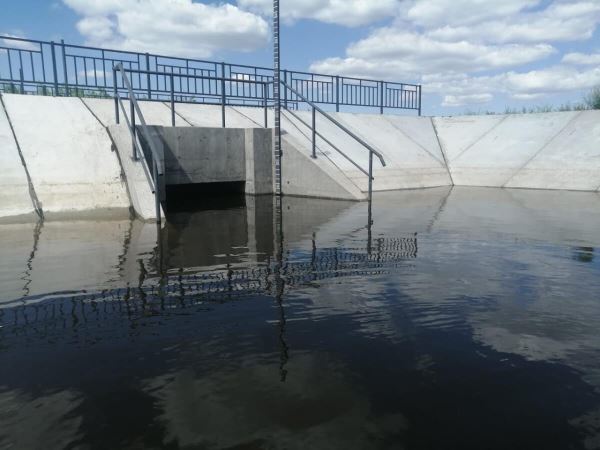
(464, 318)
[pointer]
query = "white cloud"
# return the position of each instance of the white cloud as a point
(435, 13)
(172, 27)
(558, 22)
(21, 45)
(467, 99)
(393, 54)
(469, 51)
(582, 59)
(350, 13)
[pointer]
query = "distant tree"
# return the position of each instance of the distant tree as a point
(592, 100)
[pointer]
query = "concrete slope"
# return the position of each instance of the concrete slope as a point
(303, 176)
(503, 149)
(409, 145)
(155, 113)
(68, 154)
(210, 116)
(15, 200)
(570, 161)
(138, 185)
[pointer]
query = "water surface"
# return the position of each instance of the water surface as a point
(464, 318)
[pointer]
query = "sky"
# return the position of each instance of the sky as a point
(469, 55)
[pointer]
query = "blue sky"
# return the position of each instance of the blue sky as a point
(470, 55)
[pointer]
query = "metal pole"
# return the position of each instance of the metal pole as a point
(265, 87)
(66, 74)
(133, 129)
(172, 101)
(314, 133)
(285, 93)
(381, 97)
(337, 94)
(420, 99)
(156, 191)
(22, 81)
(116, 95)
(54, 71)
(277, 97)
(148, 87)
(223, 97)
(370, 183)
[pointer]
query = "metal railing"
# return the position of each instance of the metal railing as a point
(51, 68)
(138, 153)
(315, 133)
(255, 89)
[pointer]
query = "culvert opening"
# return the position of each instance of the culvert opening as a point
(204, 196)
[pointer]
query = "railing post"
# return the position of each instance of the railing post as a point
(172, 100)
(54, 71)
(285, 99)
(156, 191)
(266, 103)
(381, 96)
(133, 129)
(370, 177)
(314, 133)
(337, 93)
(420, 100)
(148, 87)
(116, 95)
(223, 96)
(22, 80)
(65, 71)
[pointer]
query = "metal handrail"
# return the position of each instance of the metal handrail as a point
(157, 166)
(337, 123)
(331, 144)
(313, 128)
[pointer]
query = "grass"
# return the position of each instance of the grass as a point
(590, 101)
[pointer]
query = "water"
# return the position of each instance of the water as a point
(468, 320)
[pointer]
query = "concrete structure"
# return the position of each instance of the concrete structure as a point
(15, 198)
(68, 155)
(63, 160)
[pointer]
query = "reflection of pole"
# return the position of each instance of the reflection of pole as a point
(280, 288)
(277, 98)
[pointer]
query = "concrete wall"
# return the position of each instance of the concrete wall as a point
(194, 155)
(540, 151)
(63, 160)
(15, 199)
(68, 155)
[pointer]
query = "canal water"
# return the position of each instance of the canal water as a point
(463, 318)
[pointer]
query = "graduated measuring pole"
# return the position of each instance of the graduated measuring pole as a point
(278, 153)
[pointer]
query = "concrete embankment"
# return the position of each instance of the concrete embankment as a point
(65, 156)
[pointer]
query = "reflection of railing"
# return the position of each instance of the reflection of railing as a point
(179, 289)
(49, 68)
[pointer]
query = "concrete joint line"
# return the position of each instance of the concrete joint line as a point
(470, 146)
(179, 115)
(446, 164)
(247, 117)
(542, 148)
(92, 112)
(37, 205)
(413, 141)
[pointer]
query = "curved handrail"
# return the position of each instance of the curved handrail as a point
(336, 123)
